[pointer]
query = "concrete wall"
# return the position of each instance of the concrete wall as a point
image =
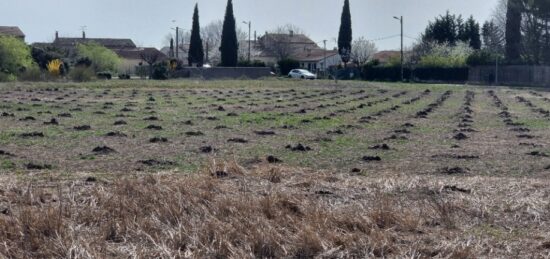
(511, 75)
(223, 72)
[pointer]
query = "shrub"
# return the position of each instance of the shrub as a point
(32, 74)
(446, 74)
(15, 57)
(81, 74)
(383, 73)
(104, 75)
(102, 58)
(54, 67)
(42, 56)
(124, 76)
(286, 65)
(482, 58)
(83, 62)
(160, 72)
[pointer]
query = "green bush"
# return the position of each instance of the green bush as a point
(482, 58)
(32, 74)
(124, 77)
(102, 59)
(286, 65)
(106, 75)
(81, 74)
(160, 72)
(15, 57)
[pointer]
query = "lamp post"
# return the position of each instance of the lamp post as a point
(249, 39)
(177, 40)
(402, 68)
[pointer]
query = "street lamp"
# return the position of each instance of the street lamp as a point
(249, 39)
(177, 29)
(402, 69)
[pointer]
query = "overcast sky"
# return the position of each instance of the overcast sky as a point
(148, 22)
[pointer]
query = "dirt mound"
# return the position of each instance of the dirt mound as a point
(206, 149)
(34, 134)
(82, 127)
(237, 140)
(194, 133)
(156, 163)
(35, 166)
(120, 122)
(372, 159)
(265, 133)
(453, 170)
(273, 160)
(53, 121)
(116, 134)
(5, 153)
(103, 150)
(460, 136)
(151, 118)
(153, 127)
(158, 140)
(380, 147)
(299, 147)
(28, 118)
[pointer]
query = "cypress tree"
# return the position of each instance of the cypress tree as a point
(196, 51)
(229, 45)
(513, 30)
(345, 35)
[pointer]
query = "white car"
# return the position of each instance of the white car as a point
(301, 73)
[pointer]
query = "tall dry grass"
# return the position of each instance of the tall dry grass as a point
(271, 212)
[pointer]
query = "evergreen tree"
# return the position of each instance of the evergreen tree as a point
(471, 34)
(345, 35)
(229, 45)
(196, 51)
(445, 29)
(513, 30)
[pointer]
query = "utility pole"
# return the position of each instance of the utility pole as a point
(402, 58)
(177, 43)
(249, 38)
(325, 57)
(496, 71)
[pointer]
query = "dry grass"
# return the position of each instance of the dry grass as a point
(273, 212)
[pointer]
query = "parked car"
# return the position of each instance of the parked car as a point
(301, 73)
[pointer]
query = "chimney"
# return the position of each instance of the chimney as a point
(83, 34)
(56, 35)
(291, 33)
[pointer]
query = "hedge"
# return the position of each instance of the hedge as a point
(454, 74)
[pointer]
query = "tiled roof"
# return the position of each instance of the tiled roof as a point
(385, 56)
(314, 55)
(11, 31)
(136, 53)
(106, 42)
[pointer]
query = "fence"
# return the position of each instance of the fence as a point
(510, 75)
(223, 72)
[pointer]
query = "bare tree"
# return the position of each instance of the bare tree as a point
(362, 50)
(278, 41)
(211, 35)
(150, 56)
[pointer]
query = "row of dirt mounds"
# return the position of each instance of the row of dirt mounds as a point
(534, 108)
(519, 128)
(433, 106)
(466, 118)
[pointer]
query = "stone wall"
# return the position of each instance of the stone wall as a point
(223, 73)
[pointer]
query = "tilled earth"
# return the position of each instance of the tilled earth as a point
(357, 128)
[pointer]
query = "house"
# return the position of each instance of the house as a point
(69, 45)
(12, 31)
(131, 56)
(275, 46)
(132, 59)
(384, 57)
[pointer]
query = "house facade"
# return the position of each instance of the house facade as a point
(273, 47)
